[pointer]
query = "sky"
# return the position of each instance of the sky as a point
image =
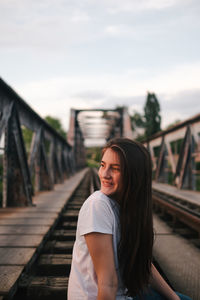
(62, 54)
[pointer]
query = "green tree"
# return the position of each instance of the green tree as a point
(138, 126)
(137, 120)
(93, 156)
(152, 115)
(57, 125)
(27, 137)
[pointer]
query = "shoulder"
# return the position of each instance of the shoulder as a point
(98, 195)
(96, 214)
(97, 208)
(98, 200)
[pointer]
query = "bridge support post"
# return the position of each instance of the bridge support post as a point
(75, 138)
(38, 162)
(17, 188)
(56, 171)
(162, 164)
(186, 165)
(127, 129)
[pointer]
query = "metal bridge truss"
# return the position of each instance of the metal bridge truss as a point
(93, 127)
(49, 161)
(176, 151)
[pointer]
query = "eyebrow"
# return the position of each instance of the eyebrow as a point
(111, 164)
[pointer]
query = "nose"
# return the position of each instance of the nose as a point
(106, 173)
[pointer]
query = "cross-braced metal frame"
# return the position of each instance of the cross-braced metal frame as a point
(177, 151)
(49, 161)
(85, 125)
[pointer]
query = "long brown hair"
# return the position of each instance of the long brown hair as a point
(136, 241)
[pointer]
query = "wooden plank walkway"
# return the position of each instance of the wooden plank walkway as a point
(190, 196)
(24, 229)
(178, 258)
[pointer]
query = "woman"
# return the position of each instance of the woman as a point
(112, 255)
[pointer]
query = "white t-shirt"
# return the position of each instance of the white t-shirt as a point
(99, 213)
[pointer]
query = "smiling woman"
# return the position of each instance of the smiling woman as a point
(110, 174)
(112, 255)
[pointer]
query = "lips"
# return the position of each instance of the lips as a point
(107, 184)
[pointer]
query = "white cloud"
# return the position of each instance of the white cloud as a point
(113, 30)
(181, 77)
(42, 24)
(80, 17)
(101, 53)
(117, 6)
(58, 95)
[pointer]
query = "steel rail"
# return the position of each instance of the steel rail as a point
(177, 211)
(180, 203)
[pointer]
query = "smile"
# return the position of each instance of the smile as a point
(107, 184)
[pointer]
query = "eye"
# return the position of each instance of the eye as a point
(117, 169)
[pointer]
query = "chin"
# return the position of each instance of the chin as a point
(108, 193)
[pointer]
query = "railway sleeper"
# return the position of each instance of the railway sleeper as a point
(63, 235)
(69, 225)
(70, 215)
(59, 247)
(74, 207)
(48, 278)
(54, 265)
(43, 288)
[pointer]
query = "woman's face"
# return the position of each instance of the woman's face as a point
(110, 174)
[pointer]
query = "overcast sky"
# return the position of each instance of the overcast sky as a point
(59, 54)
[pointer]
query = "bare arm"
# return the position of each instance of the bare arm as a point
(100, 247)
(161, 286)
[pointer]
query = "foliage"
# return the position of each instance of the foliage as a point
(57, 125)
(28, 134)
(176, 146)
(137, 120)
(92, 163)
(140, 138)
(27, 137)
(93, 155)
(152, 115)
(156, 150)
(198, 176)
(149, 121)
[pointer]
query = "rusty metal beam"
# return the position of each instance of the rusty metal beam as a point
(27, 116)
(175, 128)
(185, 165)
(161, 170)
(17, 173)
(55, 164)
(181, 161)
(38, 163)
(17, 182)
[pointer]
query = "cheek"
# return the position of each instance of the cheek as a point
(99, 172)
(118, 179)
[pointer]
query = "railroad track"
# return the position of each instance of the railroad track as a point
(181, 215)
(48, 276)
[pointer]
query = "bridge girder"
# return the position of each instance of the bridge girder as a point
(97, 125)
(49, 160)
(176, 152)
